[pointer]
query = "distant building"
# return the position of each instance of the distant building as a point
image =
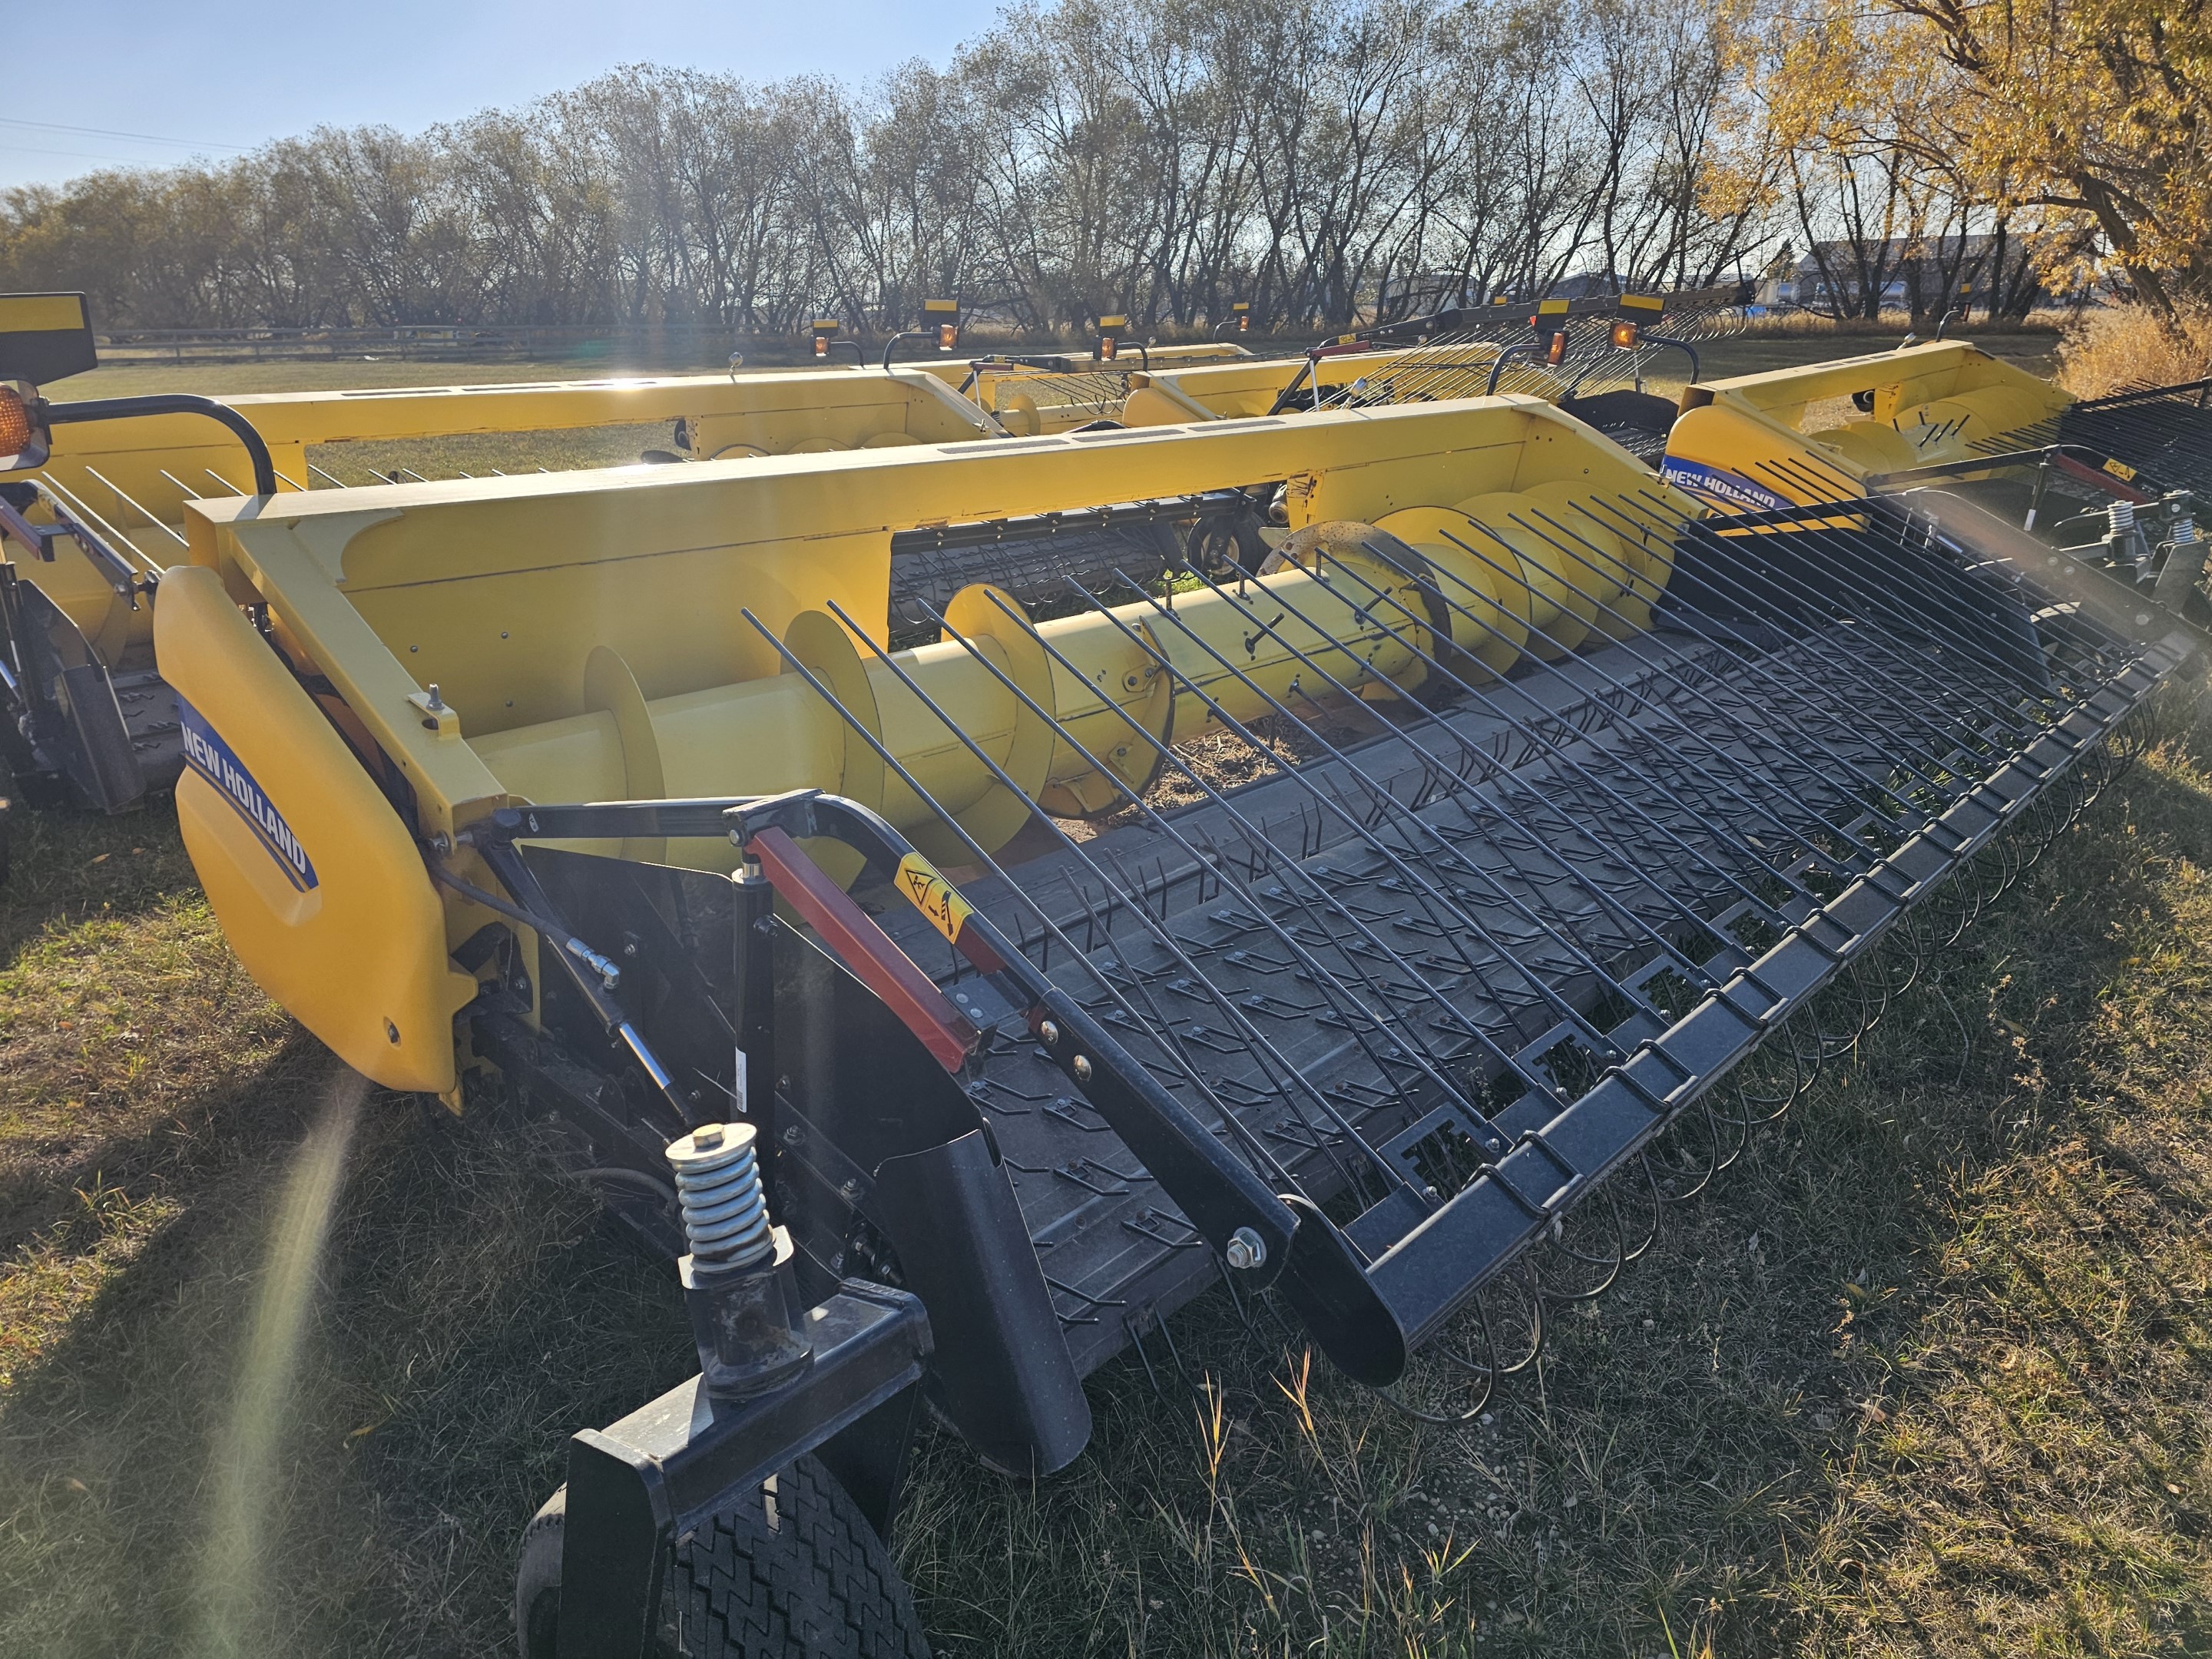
(1969, 259)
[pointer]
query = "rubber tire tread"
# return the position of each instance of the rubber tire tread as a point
(537, 1579)
(820, 1582)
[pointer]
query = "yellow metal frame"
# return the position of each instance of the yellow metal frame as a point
(1754, 441)
(590, 636)
(158, 462)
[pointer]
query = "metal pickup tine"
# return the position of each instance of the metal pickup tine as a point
(1501, 890)
(1487, 804)
(1361, 1019)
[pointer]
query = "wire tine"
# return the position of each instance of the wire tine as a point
(1359, 1018)
(1464, 788)
(983, 859)
(116, 541)
(1562, 756)
(1760, 787)
(1357, 925)
(1846, 576)
(136, 506)
(1456, 854)
(1750, 730)
(1945, 737)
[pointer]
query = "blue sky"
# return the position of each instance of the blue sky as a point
(214, 80)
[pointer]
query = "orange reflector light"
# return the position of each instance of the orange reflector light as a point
(948, 336)
(1558, 350)
(1624, 335)
(1244, 323)
(1106, 348)
(821, 345)
(14, 423)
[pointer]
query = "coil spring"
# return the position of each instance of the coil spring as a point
(718, 1184)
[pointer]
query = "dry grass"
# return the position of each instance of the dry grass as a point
(2119, 347)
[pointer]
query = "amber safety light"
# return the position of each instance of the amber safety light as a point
(945, 314)
(22, 440)
(1625, 334)
(15, 423)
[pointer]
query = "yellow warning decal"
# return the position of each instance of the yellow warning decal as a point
(1643, 302)
(2120, 470)
(934, 896)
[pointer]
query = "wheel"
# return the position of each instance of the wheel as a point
(1226, 543)
(802, 1574)
(537, 1579)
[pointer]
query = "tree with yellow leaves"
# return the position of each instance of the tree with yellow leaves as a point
(2089, 112)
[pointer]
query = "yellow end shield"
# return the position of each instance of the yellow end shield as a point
(316, 882)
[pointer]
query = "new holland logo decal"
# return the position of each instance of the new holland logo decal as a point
(211, 758)
(1719, 485)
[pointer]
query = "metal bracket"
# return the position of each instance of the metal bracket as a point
(638, 1486)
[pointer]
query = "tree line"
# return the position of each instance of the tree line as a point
(1323, 160)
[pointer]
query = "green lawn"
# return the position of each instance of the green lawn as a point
(1926, 1372)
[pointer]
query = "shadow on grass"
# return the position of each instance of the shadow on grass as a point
(68, 865)
(472, 1311)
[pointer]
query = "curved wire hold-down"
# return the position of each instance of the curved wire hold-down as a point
(1435, 951)
(1504, 846)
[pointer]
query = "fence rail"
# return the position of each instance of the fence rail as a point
(700, 342)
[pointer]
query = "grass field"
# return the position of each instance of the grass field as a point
(1925, 1373)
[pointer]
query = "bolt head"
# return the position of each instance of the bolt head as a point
(706, 1137)
(1081, 1069)
(1050, 1032)
(1245, 1250)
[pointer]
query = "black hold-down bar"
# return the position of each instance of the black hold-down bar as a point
(170, 402)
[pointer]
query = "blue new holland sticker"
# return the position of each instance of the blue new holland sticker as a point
(1718, 485)
(210, 756)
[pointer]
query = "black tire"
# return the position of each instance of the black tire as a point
(537, 1579)
(815, 1580)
